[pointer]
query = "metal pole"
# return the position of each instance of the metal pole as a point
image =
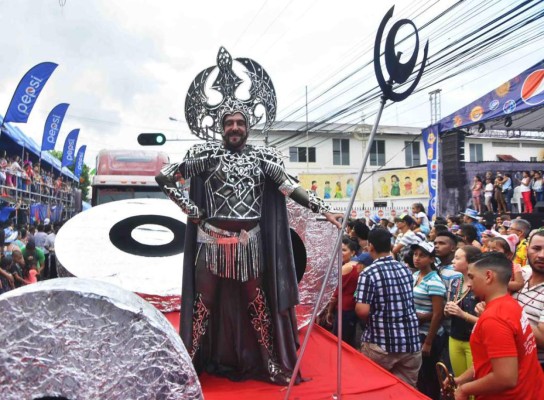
(339, 320)
(307, 149)
(335, 249)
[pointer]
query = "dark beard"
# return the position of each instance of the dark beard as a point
(235, 147)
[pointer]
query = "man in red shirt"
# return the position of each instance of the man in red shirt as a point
(502, 342)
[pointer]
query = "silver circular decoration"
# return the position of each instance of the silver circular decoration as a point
(123, 243)
(84, 339)
(319, 237)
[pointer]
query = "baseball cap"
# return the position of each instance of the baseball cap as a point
(46, 221)
(405, 218)
(374, 218)
(427, 247)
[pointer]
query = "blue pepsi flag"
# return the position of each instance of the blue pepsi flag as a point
(69, 149)
(27, 92)
(52, 126)
(430, 141)
(79, 160)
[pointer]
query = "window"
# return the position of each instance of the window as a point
(340, 151)
(298, 154)
(411, 154)
(377, 153)
(533, 159)
(476, 152)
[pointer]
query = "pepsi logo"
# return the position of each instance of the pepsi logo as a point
(532, 91)
(493, 105)
(509, 107)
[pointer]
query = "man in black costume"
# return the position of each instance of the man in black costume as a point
(239, 283)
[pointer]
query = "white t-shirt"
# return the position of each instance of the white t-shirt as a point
(488, 190)
(525, 182)
(424, 219)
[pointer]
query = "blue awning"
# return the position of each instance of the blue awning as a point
(29, 145)
(521, 99)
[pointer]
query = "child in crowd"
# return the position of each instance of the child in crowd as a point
(460, 308)
(502, 343)
(477, 193)
(507, 245)
(31, 270)
(17, 268)
(418, 212)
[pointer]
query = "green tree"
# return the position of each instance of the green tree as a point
(84, 179)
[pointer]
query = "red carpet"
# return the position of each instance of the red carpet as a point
(361, 378)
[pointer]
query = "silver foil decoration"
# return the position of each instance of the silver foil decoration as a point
(318, 236)
(85, 339)
(84, 249)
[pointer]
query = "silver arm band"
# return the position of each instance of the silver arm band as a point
(167, 182)
(288, 187)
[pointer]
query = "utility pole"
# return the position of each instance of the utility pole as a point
(434, 98)
(307, 137)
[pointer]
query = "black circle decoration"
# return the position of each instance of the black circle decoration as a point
(120, 236)
(299, 253)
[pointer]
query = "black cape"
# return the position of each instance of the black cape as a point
(229, 348)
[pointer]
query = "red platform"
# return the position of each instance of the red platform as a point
(361, 378)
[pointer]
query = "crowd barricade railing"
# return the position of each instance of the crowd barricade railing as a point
(359, 211)
(45, 194)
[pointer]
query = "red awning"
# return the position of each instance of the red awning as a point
(506, 157)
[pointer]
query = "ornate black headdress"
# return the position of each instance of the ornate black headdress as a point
(261, 93)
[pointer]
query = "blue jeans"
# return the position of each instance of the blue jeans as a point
(539, 196)
(508, 193)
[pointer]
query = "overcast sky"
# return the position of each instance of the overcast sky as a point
(125, 65)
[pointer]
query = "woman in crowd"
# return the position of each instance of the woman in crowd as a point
(460, 308)
(488, 194)
(477, 193)
(349, 284)
(506, 244)
(469, 235)
(499, 196)
(486, 235)
(525, 186)
(429, 294)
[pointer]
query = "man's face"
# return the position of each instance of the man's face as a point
(363, 244)
(235, 131)
(477, 278)
(515, 228)
(443, 246)
(535, 254)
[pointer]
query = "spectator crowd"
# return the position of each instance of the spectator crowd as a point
(27, 254)
(20, 179)
(465, 290)
(497, 192)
